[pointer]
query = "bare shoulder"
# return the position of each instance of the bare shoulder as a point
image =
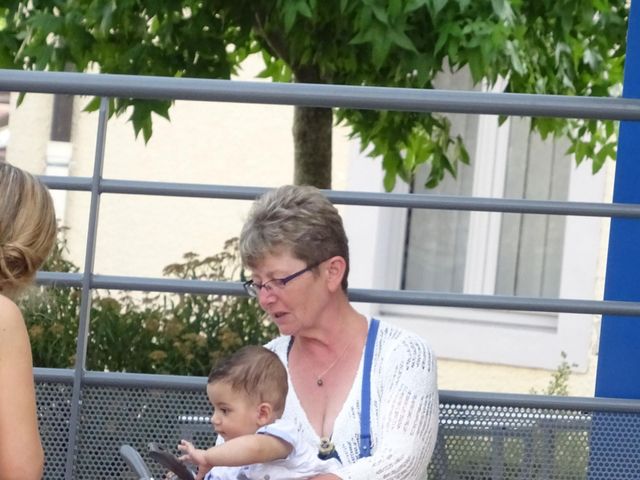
(12, 325)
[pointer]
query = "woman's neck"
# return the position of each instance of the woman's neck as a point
(337, 328)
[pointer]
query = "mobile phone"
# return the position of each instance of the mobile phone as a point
(170, 462)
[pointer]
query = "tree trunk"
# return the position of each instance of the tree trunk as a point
(312, 129)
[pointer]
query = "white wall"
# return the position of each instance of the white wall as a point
(207, 143)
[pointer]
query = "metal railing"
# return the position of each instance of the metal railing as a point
(69, 391)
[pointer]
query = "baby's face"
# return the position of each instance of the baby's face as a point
(234, 413)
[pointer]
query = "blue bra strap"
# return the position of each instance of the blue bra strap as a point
(365, 408)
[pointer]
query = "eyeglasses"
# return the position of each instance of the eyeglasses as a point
(253, 288)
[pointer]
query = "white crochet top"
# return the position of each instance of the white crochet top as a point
(404, 410)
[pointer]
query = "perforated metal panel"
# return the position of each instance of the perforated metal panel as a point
(111, 417)
(615, 446)
(475, 442)
(54, 411)
(489, 442)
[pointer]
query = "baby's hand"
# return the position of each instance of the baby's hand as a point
(194, 456)
(191, 454)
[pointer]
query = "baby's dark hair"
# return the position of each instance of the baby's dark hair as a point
(256, 371)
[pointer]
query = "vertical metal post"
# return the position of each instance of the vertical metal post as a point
(85, 299)
(618, 374)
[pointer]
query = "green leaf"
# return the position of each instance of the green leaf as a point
(502, 8)
(413, 5)
(161, 107)
(380, 13)
(45, 22)
(443, 36)
(93, 105)
(363, 36)
(402, 40)
(592, 59)
(461, 151)
(394, 7)
(514, 57)
(107, 16)
(304, 10)
(381, 46)
(390, 165)
(141, 119)
(610, 128)
(463, 4)
(290, 12)
(435, 6)
(389, 180)
(476, 66)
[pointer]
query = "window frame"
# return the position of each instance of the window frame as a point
(527, 339)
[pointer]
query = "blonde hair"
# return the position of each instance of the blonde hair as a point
(27, 228)
(256, 371)
(297, 218)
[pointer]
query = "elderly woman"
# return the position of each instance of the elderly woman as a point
(348, 375)
(27, 234)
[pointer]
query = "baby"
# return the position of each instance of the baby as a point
(248, 392)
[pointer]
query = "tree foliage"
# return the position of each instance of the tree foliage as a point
(568, 47)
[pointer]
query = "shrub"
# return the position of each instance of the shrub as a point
(179, 334)
(559, 382)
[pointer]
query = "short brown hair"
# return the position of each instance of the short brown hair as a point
(257, 371)
(27, 228)
(295, 218)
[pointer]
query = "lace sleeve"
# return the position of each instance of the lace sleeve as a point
(404, 408)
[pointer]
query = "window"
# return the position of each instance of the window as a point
(487, 253)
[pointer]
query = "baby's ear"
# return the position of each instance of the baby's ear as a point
(265, 414)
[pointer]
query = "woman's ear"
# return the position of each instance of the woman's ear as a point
(265, 414)
(336, 267)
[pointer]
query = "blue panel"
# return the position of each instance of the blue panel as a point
(618, 374)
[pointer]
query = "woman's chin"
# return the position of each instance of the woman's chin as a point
(284, 326)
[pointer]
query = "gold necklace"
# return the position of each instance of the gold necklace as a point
(319, 378)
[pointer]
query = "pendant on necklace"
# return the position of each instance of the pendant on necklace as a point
(327, 448)
(319, 380)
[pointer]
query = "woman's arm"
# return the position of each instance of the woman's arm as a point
(21, 454)
(239, 451)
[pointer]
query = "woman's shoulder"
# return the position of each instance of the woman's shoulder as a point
(10, 316)
(395, 341)
(396, 335)
(12, 325)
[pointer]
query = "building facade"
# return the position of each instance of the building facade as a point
(471, 252)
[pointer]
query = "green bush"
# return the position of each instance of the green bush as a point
(178, 334)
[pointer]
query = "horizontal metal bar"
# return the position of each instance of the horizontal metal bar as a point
(120, 379)
(403, 297)
(495, 302)
(136, 380)
(177, 382)
(587, 404)
(373, 199)
(54, 375)
(316, 95)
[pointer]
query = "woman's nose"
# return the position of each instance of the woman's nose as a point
(265, 297)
